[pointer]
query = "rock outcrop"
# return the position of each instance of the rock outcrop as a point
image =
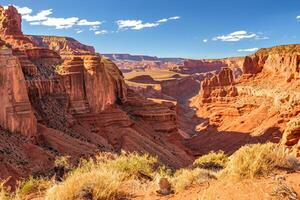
(62, 45)
(284, 60)
(219, 85)
(10, 28)
(70, 100)
(253, 104)
(16, 112)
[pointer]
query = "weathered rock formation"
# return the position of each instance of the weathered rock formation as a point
(219, 85)
(253, 104)
(16, 114)
(63, 45)
(71, 101)
(10, 28)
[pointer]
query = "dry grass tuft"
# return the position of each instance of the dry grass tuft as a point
(103, 177)
(213, 161)
(186, 178)
(283, 191)
(3, 192)
(258, 160)
(103, 183)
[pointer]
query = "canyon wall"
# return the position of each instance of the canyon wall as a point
(252, 104)
(16, 113)
(59, 98)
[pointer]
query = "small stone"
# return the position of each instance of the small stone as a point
(164, 187)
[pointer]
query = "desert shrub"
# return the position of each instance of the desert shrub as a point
(186, 178)
(30, 186)
(3, 192)
(283, 191)
(213, 160)
(102, 177)
(101, 183)
(63, 161)
(258, 160)
(58, 69)
(133, 163)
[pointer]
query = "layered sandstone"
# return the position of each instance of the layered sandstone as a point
(252, 104)
(16, 113)
(284, 60)
(219, 85)
(62, 45)
(72, 101)
(10, 28)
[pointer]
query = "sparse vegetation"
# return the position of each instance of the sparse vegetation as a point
(186, 178)
(283, 191)
(58, 69)
(213, 160)
(258, 160)
(102, 177)
(106, 176)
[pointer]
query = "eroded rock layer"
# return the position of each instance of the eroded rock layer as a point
(253, 104)
(59, 97)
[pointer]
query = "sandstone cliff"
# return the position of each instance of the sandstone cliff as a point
(253, 104)
(63, 45)
(69, 100)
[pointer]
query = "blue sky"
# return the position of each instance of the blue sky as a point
(166, 28)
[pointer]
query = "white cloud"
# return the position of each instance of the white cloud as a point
(102, 32)
(174, 18)
(205, 40)
(239, 35)
(44, 17)
(40, 16)
(134, 24)
(139, 24)
(248, 50)
(167, 19)
(79, 31)
(162, 20)
(24, 10)
(85, 22)
(94, 28)
(298, 17)
(58, 23)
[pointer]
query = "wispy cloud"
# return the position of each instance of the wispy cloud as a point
(79, 31)
(239, 35)
(102, 32)
(85, 22)
(167, 19)
(58, 23)
(94, 28)
(205, 40)
(139, 24)
(248, 50)
(45, 18)
(40, 16)
(134, 24)
(298, 17)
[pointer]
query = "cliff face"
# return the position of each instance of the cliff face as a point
(253, 104)
(62, 45)
(69, 100)
(16, 113)
(10, 28)
(284, 60)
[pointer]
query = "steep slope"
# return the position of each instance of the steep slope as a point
(64, 99)
(253, 104)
